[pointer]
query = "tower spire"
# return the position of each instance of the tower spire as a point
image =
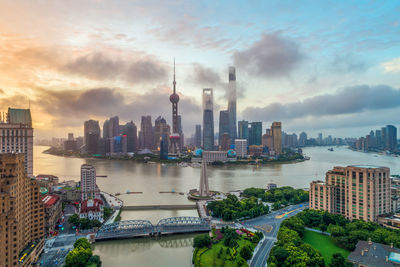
(174, 78)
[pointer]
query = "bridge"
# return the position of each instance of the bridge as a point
(139, 228)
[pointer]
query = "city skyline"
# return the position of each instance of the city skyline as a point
(288, 68)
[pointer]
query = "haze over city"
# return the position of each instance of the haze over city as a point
(319, 66)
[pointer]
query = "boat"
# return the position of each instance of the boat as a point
(118, 193)
(307, 157)
(330, 149)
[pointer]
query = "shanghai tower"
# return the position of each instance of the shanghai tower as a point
(232, 104)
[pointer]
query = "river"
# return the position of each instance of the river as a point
(124, 175)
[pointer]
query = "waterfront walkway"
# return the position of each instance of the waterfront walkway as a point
(161, 207)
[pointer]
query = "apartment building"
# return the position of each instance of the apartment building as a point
(356, 192)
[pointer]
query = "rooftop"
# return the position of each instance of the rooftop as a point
(16, 116)
(374, 254)
(50, 200)
(366, 166)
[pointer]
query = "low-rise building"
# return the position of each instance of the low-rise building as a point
(271, 186)
(52, 209)
(392, 222)
(370, 254)
(47, 181)
(241, 148)
(91, 209)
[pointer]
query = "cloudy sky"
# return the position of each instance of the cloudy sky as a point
(318, 66)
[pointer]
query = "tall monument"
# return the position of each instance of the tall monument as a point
(203, 189)
(175, 136)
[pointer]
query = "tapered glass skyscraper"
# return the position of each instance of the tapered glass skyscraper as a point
(232, 103)
(208, 119)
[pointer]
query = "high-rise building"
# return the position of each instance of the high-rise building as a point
(130, 130)
(356, 192)
(244, 130)
(88, 182)
(225, 142)
(302, 139)
(319, 139)
(241, 148)
(146, 135)
(22, 219)
(106, 129)
(16, 135)
(113, 128)
(70, 136)
(232, 103)
(224, 126)
(276, 129)
(384, 138)
(160, 128)
(391, 139)
(163, 146)
(267, 140)
(208, 119)
(175, 137)
(197, 136)
(255, 133)
(180, 131)
(91, 127)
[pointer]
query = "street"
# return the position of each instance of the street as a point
(269, 224)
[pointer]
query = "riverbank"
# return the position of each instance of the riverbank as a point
(152, 158)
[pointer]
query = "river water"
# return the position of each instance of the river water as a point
(151, 179)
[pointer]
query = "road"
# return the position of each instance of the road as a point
(269, 224)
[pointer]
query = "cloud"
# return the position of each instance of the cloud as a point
(392, 66)
(271, 56)
(69, 108)
(345, 63)
(205, 76)
(98, 66)
(350, 100)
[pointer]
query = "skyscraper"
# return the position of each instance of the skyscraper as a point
(88, 182)
(146, 133)
(130, 130)
(91, 127)
(106, 127)
(276, 129)
(160, 128)
(267, 140)
(244, 130)
(302, 139)
(255, 133)
(208, 119)
(224, 124)
(197, 137)
(22, 220)
(113, 129)
(175, 137)
(163, 142)
(16, 135)
(232, 103)
(391, 139)
(225, 142)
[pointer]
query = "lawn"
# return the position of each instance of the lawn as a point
(210, 256)
(323, 244)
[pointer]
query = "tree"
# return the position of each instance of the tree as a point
(94, 260)
(280, 253)
(78, 257)
(74, 219)
(83, 243)
(201, 241)
(336, 230)
(241, 263)
(339, 261)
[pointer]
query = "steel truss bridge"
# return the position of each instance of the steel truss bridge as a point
(138, 228)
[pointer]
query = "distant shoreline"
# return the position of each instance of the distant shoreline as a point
(155, 159)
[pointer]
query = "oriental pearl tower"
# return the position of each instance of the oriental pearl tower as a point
(175, 136)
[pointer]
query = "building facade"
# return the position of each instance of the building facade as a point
(241, 148)
(243, 130)
(224, 126)
(88, 182)
(22, 213)
(146, 136)
(276, 129)
(232, 103)
(16, 135)
(356, 192)
(208, 119)
(197, 136)
(91, 209)
(255, 133)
